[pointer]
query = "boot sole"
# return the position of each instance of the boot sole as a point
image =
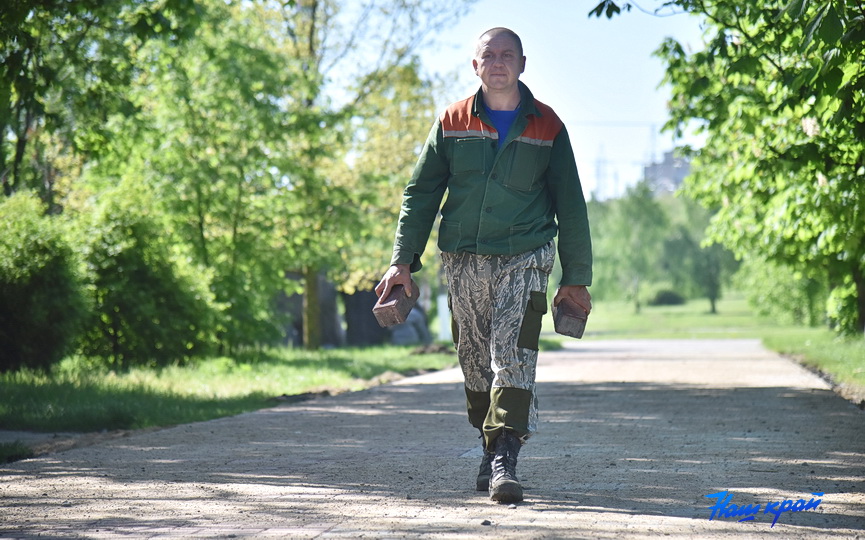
(507, 492)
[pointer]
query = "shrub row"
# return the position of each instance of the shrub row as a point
(111, 288)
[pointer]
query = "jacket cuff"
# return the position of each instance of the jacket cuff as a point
(578, 275)
(411, 259)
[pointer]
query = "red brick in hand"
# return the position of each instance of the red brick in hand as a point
(395, 308)
(569, 318)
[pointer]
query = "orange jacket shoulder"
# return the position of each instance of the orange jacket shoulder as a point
(544, 127)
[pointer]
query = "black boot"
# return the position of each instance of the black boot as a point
(504, 485)
(486, 469)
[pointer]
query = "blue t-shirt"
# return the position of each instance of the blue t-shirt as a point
(502, 121)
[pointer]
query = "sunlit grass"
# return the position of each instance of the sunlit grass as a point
(842, 359)
(77, 396)
(615, 320)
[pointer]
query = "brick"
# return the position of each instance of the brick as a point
(569, 319)
(395, 308)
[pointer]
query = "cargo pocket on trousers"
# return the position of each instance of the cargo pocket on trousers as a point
(455, 329)
(530, 330)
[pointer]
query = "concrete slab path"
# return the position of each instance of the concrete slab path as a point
(634, 436)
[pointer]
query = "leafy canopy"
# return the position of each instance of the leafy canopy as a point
(779, 92)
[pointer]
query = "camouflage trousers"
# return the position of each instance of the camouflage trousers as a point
(497, 303)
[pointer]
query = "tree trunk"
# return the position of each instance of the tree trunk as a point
(859, 280)
(362, 328)
(311, 310)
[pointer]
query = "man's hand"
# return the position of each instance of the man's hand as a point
(397, 274)
(577, 293)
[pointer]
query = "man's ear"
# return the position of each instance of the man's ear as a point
(475, 65)
(523, 67)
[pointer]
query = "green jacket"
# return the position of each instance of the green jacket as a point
(502, 199)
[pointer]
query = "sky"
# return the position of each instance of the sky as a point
(599, 76)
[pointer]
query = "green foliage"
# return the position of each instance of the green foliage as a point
(396, 121)
(225, 159)
(65, 66)
(697, 267)
(152, 306)
(776, 291)
(609, 8)
(252, 165)
(42, 304)
(842, 307)
(780, 93)
(645, 243)
(627, 242)
(242, 121)
(779, 90)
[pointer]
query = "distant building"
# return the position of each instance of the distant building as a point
(666, 176)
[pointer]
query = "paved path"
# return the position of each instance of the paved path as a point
(634, 435)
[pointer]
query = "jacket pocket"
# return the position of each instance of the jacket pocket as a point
(468, 155)
(530, 330)
(449, 235)
(528, 166)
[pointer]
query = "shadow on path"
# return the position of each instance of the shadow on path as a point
(403, 458)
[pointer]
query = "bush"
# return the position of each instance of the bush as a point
(42, 302)
(153, 307)
(841, 308)
(779, 292)
(667, 298)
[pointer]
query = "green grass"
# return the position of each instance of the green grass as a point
(14, 451)
(618, 320)
(78, 397)
(843, 360)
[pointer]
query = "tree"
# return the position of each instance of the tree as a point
(241, 119)
(633, 236)
(697, 267)
(383, 152)
(779, 91)
(351, 56)
(240, 134)
(219, 135)
(64, 66)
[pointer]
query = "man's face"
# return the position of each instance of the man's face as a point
(498, 62)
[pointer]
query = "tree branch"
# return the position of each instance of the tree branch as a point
(353, 37)
(738, 26)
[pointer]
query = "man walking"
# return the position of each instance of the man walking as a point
(506, 163)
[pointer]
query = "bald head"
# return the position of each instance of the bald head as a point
(499, 30)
